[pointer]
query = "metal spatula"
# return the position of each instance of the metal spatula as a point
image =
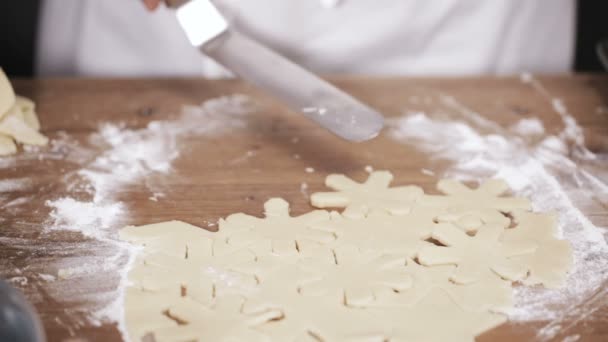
(301, 90)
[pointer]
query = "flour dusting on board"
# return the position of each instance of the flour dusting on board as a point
(130, 156)
(113, 158)
(550, 170)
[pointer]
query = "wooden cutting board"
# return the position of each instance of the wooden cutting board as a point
(211, 179)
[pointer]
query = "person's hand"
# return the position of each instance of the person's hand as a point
(151, 4)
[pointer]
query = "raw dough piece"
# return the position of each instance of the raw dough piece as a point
(7, 146)
(354, 277)
(487, 195)
(7, 95)
(476, 256)
(373, 195)
(28, 111)
(13, 124)
(18, 119)
(278, 232)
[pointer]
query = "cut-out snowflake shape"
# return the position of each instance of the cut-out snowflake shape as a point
(355, 276)
(549, 264)
(470, 220)
(174, 238)
(435, 318)
(303, 318)
(223, 321)
(200, 276)
(361, 198)
(487, 195)
(278, 232)
(477, 255)
(144, 311)
(489, 293)
(404, 234)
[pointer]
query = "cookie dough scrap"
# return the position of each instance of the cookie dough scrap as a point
(477, 256)
(18, 120)
(7, 145)
(7, 94)
(361, 198)
(278, 232)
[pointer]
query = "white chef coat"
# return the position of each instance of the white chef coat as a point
(373, 37)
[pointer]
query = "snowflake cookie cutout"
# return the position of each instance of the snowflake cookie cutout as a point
(200, 278)
(487, 195)
(435, 318)
(222, 321)
(476, 256)
(354, 277)
(278, 232)
(550, 262)
(361, 198)
(175, 238)
(488, 294)
(304, 318)
(380, 231)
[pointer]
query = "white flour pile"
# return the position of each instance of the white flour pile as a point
(543, 169)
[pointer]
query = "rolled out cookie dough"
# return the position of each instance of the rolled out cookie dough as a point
(402, 266)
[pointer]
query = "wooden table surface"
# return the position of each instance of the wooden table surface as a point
(207, 184)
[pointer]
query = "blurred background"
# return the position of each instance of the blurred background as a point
(121, 38)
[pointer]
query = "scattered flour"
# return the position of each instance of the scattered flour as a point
(47, 277)
(21, 281)
(16, 184)
(528, 127)
(546, 171)
(129, 156)
(304, 190)
(92, 218)
(156, 196)
(427, 172)
(369, 169)
(309, 170)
